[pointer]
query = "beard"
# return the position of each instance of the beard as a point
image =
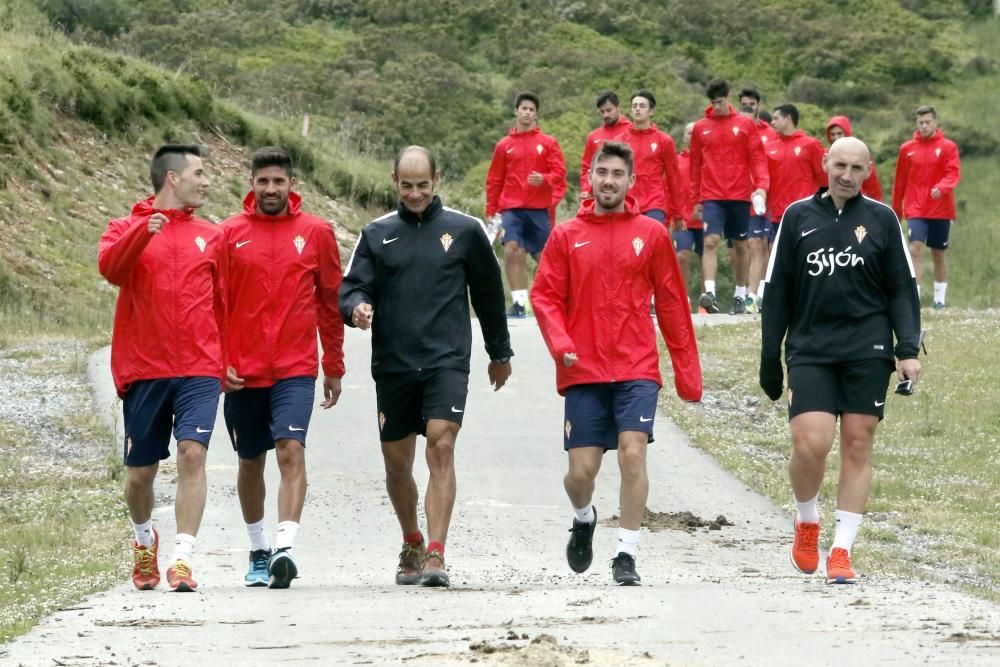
(273, 206)
(610, 200)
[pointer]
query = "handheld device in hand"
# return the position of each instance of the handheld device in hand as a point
(905, 388)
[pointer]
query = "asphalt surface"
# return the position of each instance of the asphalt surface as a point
(708, 597)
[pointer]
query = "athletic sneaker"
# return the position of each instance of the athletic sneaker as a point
(579, 551)
(433, 571)
(257, 571)
(838, 567)
(623, 570)
(516, 312)
(179, 577)
(739, 306)
(708, 302)
(281, 568)
(805, 549)
(409, 570)
(938, 305)
(146, 571)
(751, 305)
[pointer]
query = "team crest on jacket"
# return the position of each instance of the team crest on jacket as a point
(937, 152)
(736, 130)
(540, 149)
(860, 232)
(652, 147)
(300, 243)
(446, 241)
(637, 245)
(200, 242)
(798, 149)
(568, 428)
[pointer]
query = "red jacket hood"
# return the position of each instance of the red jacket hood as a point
(710, 112)
(938, 135)
(794, 135)
(535, 130)
(294, 204)
(649, 130)
(843, 122)
(145, 208)
(586, 211)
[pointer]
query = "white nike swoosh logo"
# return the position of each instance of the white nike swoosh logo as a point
(199, 429)
(580, 245)
(240, 244)
(705, 131)
(454, 409)
(388, 241)
(809, 232)
(292, 428)
(510, 150)
(644, 420)
(879, 405)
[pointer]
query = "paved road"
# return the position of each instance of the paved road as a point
(709, 597)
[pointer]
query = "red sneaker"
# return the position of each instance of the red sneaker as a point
(805, 549)
(838, 568)
(146, 571)
(179, 577)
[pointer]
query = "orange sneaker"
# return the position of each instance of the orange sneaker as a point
(146, 571)
(805, 549)
(838, 567)
(179, 577)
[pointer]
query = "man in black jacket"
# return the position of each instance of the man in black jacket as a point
(840, 283)
(410, 280)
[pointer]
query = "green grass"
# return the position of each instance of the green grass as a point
(936, 489)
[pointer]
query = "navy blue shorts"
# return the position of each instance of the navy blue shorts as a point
(931, 231)
(152, 407)
(529, 227)
(728, 217)
(406, 401)
(773, 232)
(759, 226)
(689, 239)
(857, 387)
(657, 214)
(258, 417)
(597, 413)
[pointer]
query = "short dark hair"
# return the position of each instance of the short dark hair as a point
(531, 97)
(765, 116)
(926, 109)
(170, 157)
(426, 152)
(607, 96)
(647, 94)
(717, 88)
(614, 149)
(789, 110)
(751, 93)
(270, 156)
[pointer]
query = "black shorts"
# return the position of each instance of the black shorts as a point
(257, 417)
(152, 408)
(857, 387)
(407, 400)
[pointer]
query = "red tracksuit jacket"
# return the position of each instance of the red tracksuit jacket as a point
(871, 187)
(684, 171)
(171, 312)
(657, 183)
(284, 281)
(594, 141)
(767, 133)
(795, 166)
(517, 155)
(925, 164)
(591, 297)
(727, 158)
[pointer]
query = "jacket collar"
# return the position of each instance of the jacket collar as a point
(430, 212)
(145, 208)
(587, 214)
(938, 134)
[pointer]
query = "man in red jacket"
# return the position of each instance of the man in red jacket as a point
(167, 350)
(657, 189)
(840, 126)
(760, 224)
(526, 180)
(284, 280)
(591, 297)
(613, 126)
(927, 172)
(688, 234)
(728, 169)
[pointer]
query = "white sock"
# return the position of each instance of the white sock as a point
(628, 541)
(918, 289)
(760, 288)
(741, 291)
(285, 539)
(585, 515)
(519, 296)
(847, 529)
(144, 533)
(183, 548)
(710, 286)
(258, 540)
(808, 511)
(939, 292)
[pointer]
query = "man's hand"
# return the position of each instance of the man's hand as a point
(535, 178)
(696, 212)
(935, 193)
(156, 222)
(362, 316)
(772, 378)
(233, 381)
(331, 392)
(908, 369)
(569, 359)
(499, 373)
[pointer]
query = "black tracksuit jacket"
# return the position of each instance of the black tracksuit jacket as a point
(419, 273)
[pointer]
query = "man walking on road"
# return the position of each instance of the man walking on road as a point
(591, 299)
(526, 180)
(657, 190)
(927, 172)
(840, 284)
(840, 126)
(167, 350)
(410, 280)
(284, 281)
(613, 126)
(688, 234)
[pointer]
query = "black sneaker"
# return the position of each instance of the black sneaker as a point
(516, 312)
(282, 569)
(623, 569)
(579, 551)
(708, 302)
(739, 306)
